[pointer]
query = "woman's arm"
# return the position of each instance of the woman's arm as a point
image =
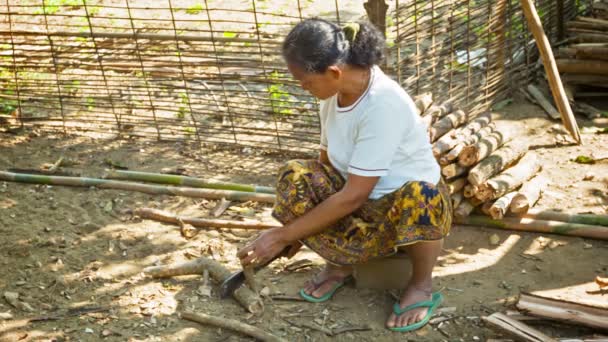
(271, 242)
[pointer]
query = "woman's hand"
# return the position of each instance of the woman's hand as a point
(266, 246)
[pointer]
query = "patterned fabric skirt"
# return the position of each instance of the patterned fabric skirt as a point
(418, 211)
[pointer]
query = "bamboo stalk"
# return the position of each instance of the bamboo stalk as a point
(562, 310)
(163, 216)
(184, 180)
(129, 186)
(231, 324)
(537, 226)
(590, 219)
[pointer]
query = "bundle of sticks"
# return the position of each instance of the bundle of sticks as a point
(482, 162)
(584, 60)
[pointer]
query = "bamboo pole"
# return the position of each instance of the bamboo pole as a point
(184, 180)
(555, 83)
(537, 226)
(163, 216)
(129, 186)
(590, 219)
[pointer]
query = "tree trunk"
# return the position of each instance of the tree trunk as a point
(528, 195)
(496, 162)
(473, 154)
(500, 207)
(510, 179)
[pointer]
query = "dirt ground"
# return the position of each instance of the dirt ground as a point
(64, 248)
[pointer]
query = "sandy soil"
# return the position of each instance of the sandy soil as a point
(65, 248)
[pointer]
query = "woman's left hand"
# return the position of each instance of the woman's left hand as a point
(267, 245)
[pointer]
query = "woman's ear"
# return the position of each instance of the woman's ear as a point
(334, 72)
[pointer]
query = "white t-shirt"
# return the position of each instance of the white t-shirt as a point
(378, 135)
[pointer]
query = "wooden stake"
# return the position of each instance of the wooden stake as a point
(231, 324)
(561, 310)
(163, 216)
(555, 83)
(518, 330)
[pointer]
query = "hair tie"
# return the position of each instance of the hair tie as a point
(350, 31)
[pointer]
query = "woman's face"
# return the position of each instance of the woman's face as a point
(320, 85)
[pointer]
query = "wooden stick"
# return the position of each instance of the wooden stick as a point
(500, 207)
(543, 101)
(496, 162)
(456, 136)
(518, 330)
(163, 216)
(243, 295)
(249, 274)
(129, 186)
(184, 180)
(562, 310)
(599, 220)
(555, 83)
(473, 154)
(231, 324)
(510, 179)
(537, 226)
(528, 195)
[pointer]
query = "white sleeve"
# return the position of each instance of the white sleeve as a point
(379, 133)
(322, 120)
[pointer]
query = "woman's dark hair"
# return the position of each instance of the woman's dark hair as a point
(315, 44)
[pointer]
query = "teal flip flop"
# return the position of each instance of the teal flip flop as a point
(432, 304)
(329, 293)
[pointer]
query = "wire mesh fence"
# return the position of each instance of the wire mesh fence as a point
(211, 71)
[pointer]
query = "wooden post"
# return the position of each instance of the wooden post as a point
(376, 12)
(557, 88)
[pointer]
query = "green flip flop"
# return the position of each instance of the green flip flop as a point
(329, 293)
(432, 304)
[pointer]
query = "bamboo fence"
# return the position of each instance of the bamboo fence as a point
(211, 71)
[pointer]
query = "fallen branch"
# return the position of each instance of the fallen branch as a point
(163, 216)
(243, 295)
(518, 330)
(562, 310)
(231, 324)
(537, 226)
(130, 186)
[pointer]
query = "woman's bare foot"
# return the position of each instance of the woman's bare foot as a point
(326, 280)
(413, 294)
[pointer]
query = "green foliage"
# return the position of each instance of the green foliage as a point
(279, 96)
(584, 160)
(53, 6)
(195, 9)
(90, 102)
(7, 106)
(184, 103)
(228, 34)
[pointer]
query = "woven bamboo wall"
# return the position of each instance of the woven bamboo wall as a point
(211, 71)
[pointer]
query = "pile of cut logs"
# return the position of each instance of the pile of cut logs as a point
(584, 60)
(481, 162)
